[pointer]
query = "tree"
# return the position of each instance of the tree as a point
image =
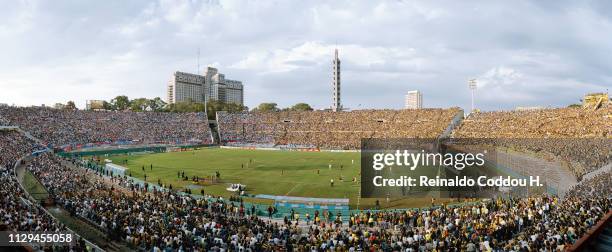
(157, 104)
(59, 105)
(106, 105)
(70, 106)
(186, 106)
(139, 105)
(120, 103)
(301, 107)
(574, 106)
(213, 106)
(266, 107)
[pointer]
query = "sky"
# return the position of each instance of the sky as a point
(522, 53)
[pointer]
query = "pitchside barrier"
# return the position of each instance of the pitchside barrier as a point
(398, 210)
(282, 148)
(283, 209)
(305, 205)
(124, 151)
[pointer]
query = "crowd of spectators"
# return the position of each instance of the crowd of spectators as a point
(159, 220)
(17, 212)
(4, 121)
(542, 223)
(77, 127)
(573, 134)
(156, 220)
(541, 123)
(331, 130)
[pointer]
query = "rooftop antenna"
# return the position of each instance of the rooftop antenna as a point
(336, 48)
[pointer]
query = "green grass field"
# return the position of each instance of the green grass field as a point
(292, 173)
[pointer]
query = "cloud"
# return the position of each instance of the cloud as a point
(500, 76)
(317, 53)
(524, 52)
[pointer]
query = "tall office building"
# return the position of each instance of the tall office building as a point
(199, 88)
(219, 88)
(185, 87)
(337, 104)
(414, 100)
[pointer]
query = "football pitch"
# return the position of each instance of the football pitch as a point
(291, 173)
(273, 172)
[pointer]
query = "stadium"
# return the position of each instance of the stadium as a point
(412, 126)
(262, 181)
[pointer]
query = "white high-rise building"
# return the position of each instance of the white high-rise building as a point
(221, 89)
(185, 87)
(199, 88)
(337, 103)
(414, 100)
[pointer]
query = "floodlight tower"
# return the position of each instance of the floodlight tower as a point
(472, 86)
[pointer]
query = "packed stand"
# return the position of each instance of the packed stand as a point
(78, 127)
(542, 223)
(155, 220)
(572, 134)
(17, 213)
(331, 130)
(4, 122)
(159, 220)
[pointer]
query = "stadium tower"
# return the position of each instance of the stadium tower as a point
(336, 105)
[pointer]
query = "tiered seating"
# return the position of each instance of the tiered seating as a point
(331, 130)
(166, 220)
(15, 213)
(62, 127)
(575, 134)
